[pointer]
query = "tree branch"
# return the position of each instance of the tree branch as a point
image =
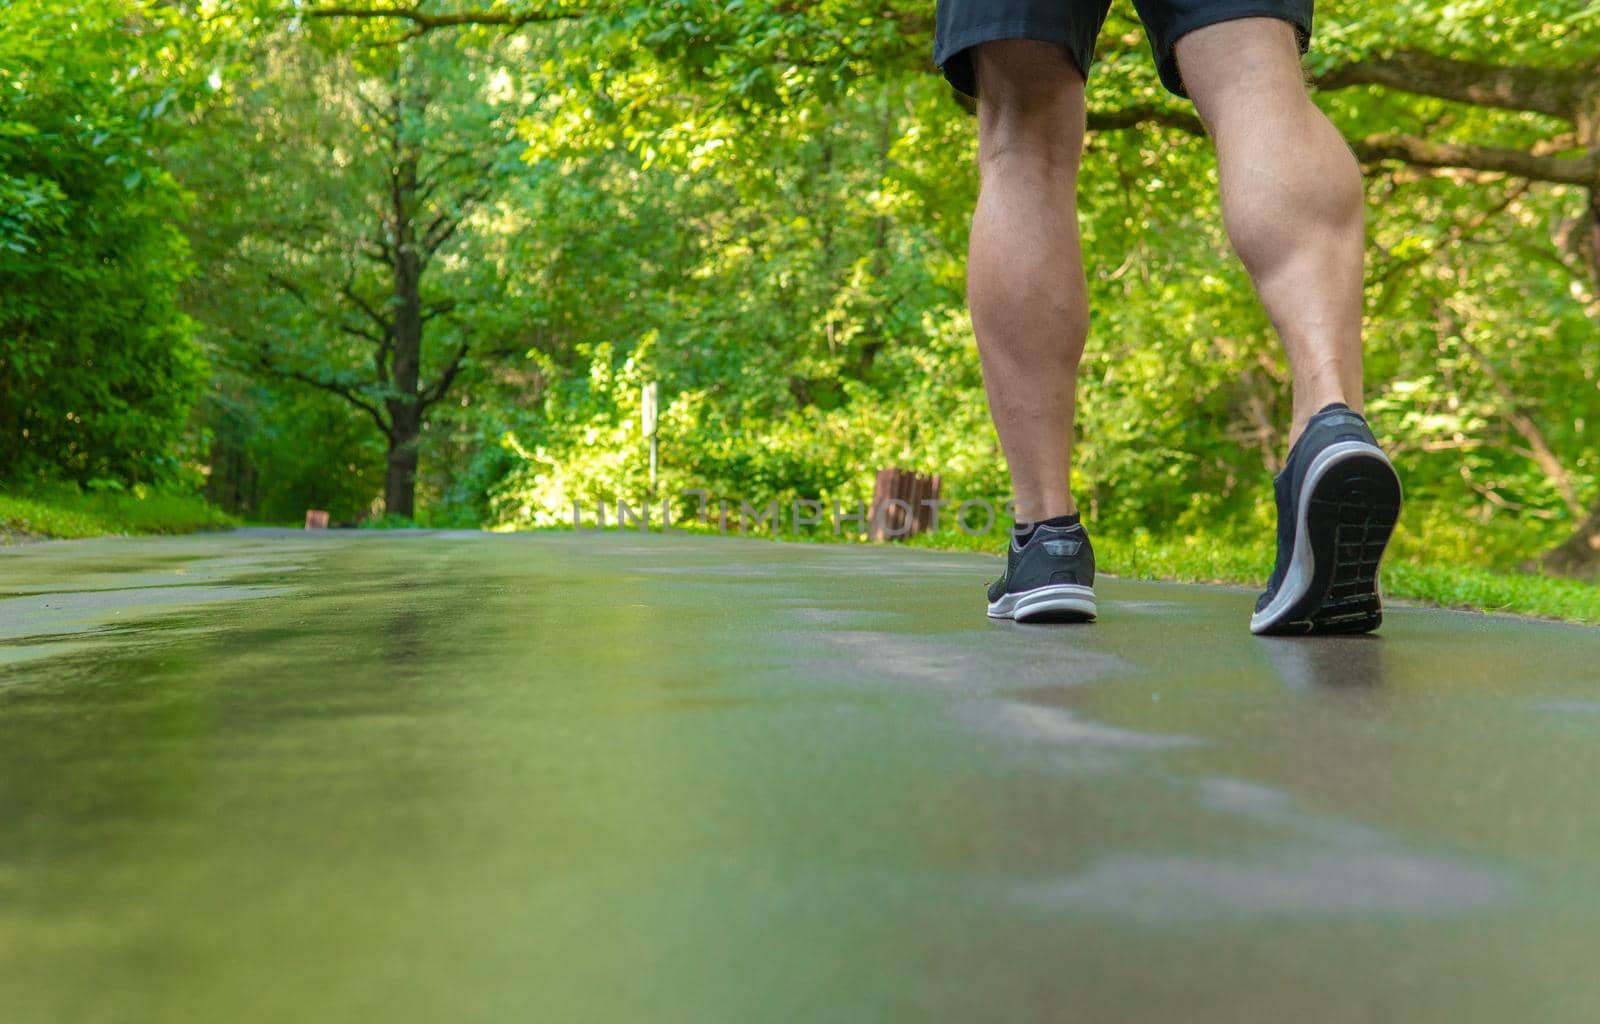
(1583, 170)
(1553, 91)
(290, 287)
(1133, 117)
(447, 222)
(378, 251)
(428, 177)
(360, 332)
(332, 386)
(1536, 166)
(349, 292)
(433, 393)
(439, 310)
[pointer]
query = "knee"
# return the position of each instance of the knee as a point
(1030, 103)
(1242, 71)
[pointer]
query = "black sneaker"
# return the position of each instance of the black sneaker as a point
(1338, 500)
(1048, 579)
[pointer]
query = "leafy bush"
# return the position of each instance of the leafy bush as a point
(97, 364)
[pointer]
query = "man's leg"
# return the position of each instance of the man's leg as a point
(1030, 311)
(1025, 282)
(1291, 200)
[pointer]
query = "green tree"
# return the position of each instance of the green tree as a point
(356, 225)
(98, 366)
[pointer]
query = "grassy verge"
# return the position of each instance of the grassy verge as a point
(1405, 576)
(66, 512)
(1491, 591)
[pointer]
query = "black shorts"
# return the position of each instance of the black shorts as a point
(963, 24)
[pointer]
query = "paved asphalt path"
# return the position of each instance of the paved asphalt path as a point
(286, 777)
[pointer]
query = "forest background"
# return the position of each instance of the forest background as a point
(414, 264)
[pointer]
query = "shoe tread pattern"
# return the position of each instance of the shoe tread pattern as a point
(1350, 518)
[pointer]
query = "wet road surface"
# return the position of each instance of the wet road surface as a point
(272, 776)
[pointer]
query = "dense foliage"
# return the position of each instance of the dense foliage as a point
(98, 366)
(762, 207)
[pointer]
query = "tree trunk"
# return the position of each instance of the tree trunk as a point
(400, 480)
(1579, 554)
(911, 512)
(405, 407)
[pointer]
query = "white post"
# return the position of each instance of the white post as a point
(647, 417)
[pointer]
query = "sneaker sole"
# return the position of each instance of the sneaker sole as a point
(1059, 602)
(1349, 505)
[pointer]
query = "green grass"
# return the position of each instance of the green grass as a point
(1406, 575)
(1494, 591)
(66, 512)
(1406, 578)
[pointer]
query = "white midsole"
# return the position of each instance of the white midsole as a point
(1057, 597)
(1302, 567)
